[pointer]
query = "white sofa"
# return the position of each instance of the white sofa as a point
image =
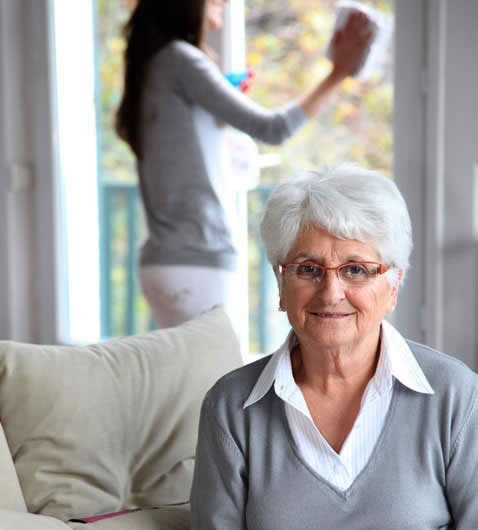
(105, 428)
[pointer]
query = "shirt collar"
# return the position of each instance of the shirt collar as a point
(278, 369)
(405, 367)
(396, 359)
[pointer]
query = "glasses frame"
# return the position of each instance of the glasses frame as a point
(382, 268)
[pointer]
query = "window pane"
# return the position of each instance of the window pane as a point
(285, 44)
(124, 310)
(117, 160)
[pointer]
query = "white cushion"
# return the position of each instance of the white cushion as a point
(167, 518)
(10, 520)
(11, 497)
(111, 426)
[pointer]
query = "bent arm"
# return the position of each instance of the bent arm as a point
(201, 82)
(219, 490)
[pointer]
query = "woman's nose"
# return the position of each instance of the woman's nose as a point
(330, 288)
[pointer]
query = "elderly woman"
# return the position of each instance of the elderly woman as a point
(348, 425)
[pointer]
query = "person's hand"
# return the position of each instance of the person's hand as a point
(348, 45)
(346, 49)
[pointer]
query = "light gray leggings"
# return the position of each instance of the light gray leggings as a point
(176, 293)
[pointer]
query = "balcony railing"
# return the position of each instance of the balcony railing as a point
(122, 225)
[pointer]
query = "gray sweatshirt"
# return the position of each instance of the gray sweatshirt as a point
(185, 99)
(423, 472)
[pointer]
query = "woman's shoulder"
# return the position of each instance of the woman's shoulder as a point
(235, 387)
(179, 58)
(178, 50)
(443, 371)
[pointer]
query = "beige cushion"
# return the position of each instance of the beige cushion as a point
(111, 426)
(11, 497)
(170, 518)
(10, 520)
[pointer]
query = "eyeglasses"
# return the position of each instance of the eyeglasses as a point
(352, 274)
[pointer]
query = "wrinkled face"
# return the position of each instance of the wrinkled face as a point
(330, 314)
(215, 13)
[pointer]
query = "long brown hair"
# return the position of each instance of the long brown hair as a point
(152, 25)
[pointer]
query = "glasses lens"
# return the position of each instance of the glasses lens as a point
(305, 271)
(358, 273)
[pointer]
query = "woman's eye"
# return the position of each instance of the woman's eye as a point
(355, 270)
(307, 270)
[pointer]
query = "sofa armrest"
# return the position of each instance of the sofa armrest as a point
(11, 496)
(11, 520)
(165, 518)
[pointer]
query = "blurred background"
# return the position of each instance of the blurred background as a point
(284, 46)
(70, 219)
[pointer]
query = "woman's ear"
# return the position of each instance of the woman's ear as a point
(278, 276)
(394, 293)
(399, 279)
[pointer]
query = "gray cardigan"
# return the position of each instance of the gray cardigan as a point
(423, 472)
(185, 100)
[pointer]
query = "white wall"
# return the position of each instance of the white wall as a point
(454, 152)
(15, 196)
(436, 131)
(409, 153)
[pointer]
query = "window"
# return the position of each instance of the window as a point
(100, 215)
(434, 157)
(285, 43)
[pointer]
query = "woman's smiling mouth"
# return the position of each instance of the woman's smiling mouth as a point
(330, 315)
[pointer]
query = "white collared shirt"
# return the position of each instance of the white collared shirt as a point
(396, 361)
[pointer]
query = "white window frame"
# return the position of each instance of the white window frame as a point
(75, 82)
(29, 270)
(34, 281)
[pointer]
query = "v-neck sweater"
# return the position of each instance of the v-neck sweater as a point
(395, 361)
(423, 471)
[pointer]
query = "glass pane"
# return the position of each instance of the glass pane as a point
(117, 160)
(124, 310)
(286, 40)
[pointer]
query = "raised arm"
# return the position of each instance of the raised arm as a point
(347, 47)
(202, 82)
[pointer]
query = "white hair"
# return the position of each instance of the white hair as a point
(350, 203)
